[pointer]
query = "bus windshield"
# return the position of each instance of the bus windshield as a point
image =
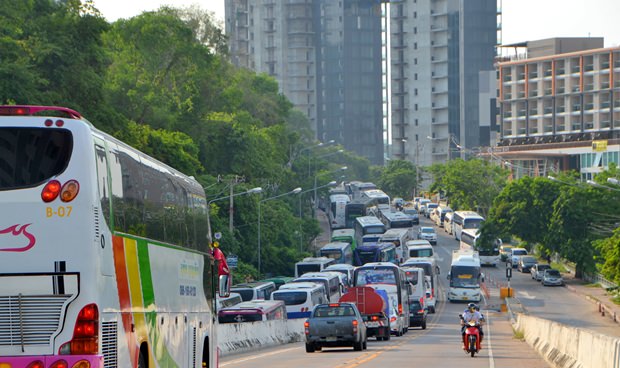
(375, 276)
(474, 223)
(291, 297)
(464, 277)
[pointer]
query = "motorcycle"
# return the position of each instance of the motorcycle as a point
(472, 337)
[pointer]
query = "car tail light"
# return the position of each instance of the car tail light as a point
(50, 191)
(69, 191)
(400, 309)
(393, 319)
(374, 318)
(307, 328)
(85, 339)
(354, 326)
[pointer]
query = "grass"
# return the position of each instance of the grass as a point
(559, 266)
(616, 299)
(595, 285)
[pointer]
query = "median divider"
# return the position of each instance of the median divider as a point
(249, 336)
(563, 346)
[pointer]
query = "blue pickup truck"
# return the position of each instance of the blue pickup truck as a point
(335, 325)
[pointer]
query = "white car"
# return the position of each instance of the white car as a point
(429, 299)
(515, 254)
(427, 233)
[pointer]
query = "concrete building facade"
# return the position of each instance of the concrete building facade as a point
(560, 111)
(439, 48)
(326, 56)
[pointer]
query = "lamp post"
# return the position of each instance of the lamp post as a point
(315, 187)
(319, 145)
(330, 184)
(209, 234)
(294, 191)
(595, 184)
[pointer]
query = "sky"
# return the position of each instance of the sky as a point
(522, 20)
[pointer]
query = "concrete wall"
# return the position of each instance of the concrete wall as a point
(569, 347)
(249, 336)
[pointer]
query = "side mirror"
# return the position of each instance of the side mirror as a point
(224, 286)
(482, 277)
(448, 276)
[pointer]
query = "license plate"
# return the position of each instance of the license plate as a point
(330, 338)
(372, 324)
(465, 298)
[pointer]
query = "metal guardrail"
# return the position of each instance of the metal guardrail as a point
(597, 278)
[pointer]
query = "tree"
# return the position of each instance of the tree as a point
(398, 178)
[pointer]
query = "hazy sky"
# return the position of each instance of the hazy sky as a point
(523, 20)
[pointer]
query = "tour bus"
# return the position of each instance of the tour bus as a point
(339, 251)
(374, 252)
(329, 280)
(253, 311)
(345, 269)
(395, 220)
(431, 269)
(489, 255)
(344, 235)
(465, 220)
(399, 237)
(390, 278)
(465, 276)
(367, 225)
(278, 280)
(86, 255)
(419, 248)
(383, 200)
(229, 301)
(357, 208)
(357, 188)
(258, 290)
(312, 264)
(337, 210)
(300, 297)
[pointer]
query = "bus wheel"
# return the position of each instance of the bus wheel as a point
(142, 361)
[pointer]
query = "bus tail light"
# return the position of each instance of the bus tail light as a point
(59, 364)
(85, 339)
(50, 191)
(36, 364)
(69, 191)
(400, 309)
(81, 364)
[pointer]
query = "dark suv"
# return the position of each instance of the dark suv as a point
(417, 314)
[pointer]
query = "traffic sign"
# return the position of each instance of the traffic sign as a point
(232, 261)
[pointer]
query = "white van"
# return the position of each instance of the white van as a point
(330, 280)
(419, 248)
(300, 297)
(259, 290)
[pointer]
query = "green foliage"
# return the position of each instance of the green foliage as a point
(469, 185)
(398, 179)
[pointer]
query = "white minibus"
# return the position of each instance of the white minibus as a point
(465, 220)
(300, 297)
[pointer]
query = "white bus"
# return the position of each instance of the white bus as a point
(102, 249)
(367, 225)
(465, 276)
(489, 255)
(465, 220)
(383, 200)
(312, 264)
(337, 210)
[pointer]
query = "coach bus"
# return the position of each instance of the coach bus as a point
(488, 253)
(102, 250)
(367, 225)
(357, 208)
(465, 220)
(337, 210)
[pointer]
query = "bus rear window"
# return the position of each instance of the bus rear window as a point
(31, 156)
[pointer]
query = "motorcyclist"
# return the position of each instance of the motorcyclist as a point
(472, 313)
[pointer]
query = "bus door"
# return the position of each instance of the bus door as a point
(104, 239)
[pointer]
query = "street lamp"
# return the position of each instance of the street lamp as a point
(294, 191)
(332, 183)
(613, 181)
(315, 188)
(209, 234)
(595, 184)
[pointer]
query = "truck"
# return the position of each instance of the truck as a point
(334, 325)
(374, 308)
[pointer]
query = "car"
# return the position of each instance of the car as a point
(335, 325)
(538, 269)
(504, 252)
(525, 263)
(552, 277)
(427, 233)
(417, 314)
(413, 214)
(515, 254)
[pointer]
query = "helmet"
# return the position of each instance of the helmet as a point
(471, 307)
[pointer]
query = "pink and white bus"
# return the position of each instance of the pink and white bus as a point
(104, 260)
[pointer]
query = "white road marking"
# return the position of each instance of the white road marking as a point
(526, 295)
(491, 360)
(256, 357)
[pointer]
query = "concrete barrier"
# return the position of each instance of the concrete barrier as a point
(569, 347)
(249, 336)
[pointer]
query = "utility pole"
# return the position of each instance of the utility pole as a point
(231, 209)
